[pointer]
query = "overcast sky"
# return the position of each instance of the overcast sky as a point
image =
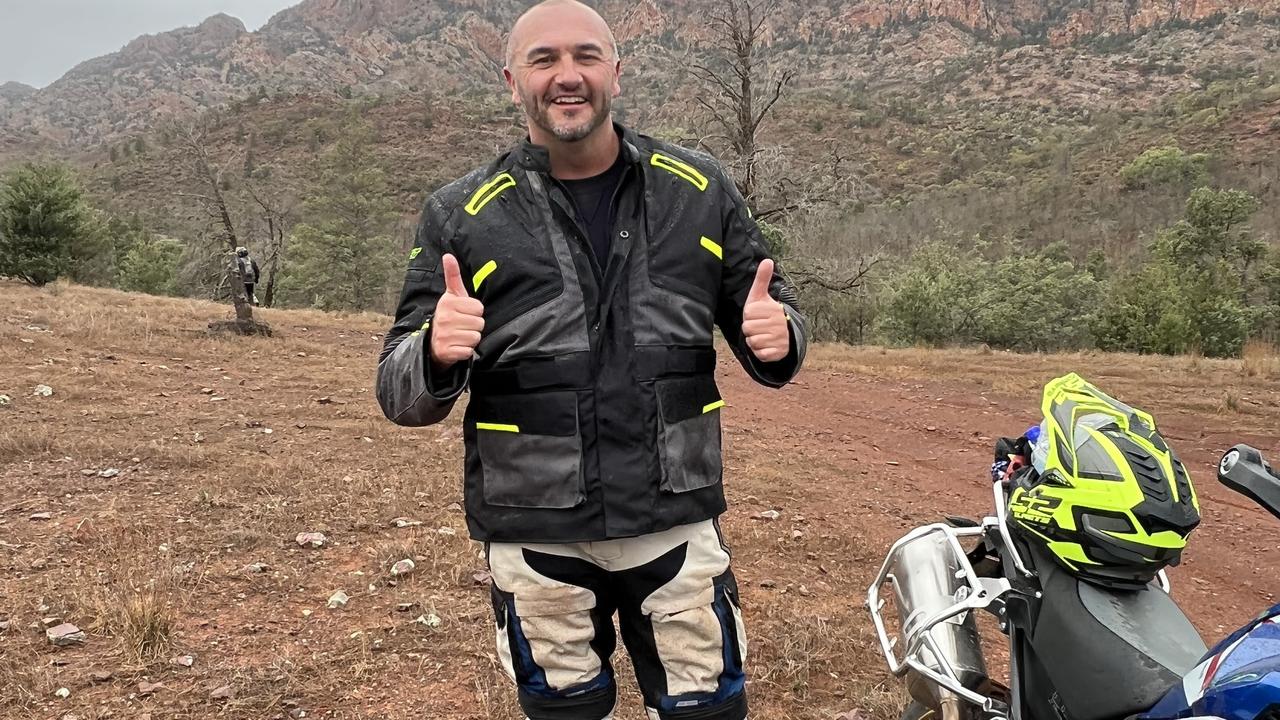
(42, 39)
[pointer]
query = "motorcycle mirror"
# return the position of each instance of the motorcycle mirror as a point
(1242, 469)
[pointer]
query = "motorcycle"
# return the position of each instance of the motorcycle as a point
(1076, 650)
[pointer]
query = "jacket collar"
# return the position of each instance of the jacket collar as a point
(536, 157)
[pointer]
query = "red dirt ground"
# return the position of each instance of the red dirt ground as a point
(163, 544)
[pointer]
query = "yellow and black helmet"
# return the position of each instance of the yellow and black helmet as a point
(1109, 499)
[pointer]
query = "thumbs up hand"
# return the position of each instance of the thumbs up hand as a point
(458, 321)
(764, 322)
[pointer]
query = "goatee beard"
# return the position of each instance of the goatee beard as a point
(573, 133)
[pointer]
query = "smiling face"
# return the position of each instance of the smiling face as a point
(562, 68)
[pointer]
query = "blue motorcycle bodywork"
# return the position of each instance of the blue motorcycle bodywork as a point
(1239, 679)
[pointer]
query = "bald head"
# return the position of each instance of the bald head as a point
(550, 14)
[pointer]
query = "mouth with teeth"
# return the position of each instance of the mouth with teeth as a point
(569, 101)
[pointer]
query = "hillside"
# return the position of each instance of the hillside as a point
(154, 499)
(394, 47)
(985, 123)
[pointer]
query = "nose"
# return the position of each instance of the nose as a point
(567, 74)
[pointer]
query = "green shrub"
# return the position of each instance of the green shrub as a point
(42, 217)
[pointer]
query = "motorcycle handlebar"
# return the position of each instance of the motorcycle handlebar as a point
(1244, 470)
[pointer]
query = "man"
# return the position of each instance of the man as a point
(573, 285)
(248, 273)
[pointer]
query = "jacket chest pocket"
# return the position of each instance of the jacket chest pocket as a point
(510, 270)
(689, 433)
(686, 255)
(530, 449)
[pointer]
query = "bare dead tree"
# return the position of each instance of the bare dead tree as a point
(743, 90)
(277, 212)
(209, 176)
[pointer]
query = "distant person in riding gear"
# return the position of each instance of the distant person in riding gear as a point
(573, 285)
(248, 273)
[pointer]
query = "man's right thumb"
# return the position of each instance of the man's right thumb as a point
(453, 276)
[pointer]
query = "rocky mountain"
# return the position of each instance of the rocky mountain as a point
(1060, 21)
(14, 93)
(398, 47)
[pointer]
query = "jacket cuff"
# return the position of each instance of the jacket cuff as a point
(407, 392)
(448, 385)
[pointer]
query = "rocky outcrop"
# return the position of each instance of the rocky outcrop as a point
(1061, 21)
(391, 47)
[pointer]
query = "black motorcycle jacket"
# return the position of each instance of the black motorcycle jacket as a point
(594, 412)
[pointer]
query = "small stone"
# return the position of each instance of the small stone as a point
(43, 391)
(65, 634)
(101, 676)
(454, 507)
(892, 462)
(145, 688)
(314, 539)
(42, 516)
(404, 567)
(931, 428)
(63, 693)
(405, 607)
(222, 693)
(183, 661)
(255, 568)
(50, 622)
(402, 522)
(431, 620)
(207, 391)
(307, 612)
(4, 625)
(5, 400)
(109, 473)
(768, 584)
(88, 472)
(446, 531)
(769, 515)
(796, 534)
(338, 600)
(804, 591)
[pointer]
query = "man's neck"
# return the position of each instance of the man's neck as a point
(585, 158)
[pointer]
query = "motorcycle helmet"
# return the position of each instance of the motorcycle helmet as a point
(1108, 499)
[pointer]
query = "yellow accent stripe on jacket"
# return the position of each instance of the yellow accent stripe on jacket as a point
(483, 273)
(713, 247)
(489, 191)
(713, 406)
(679, 169)
(498, 427)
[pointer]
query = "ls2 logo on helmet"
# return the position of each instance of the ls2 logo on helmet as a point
(1034, 508)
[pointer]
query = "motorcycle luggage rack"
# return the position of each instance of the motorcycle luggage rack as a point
(981, 593)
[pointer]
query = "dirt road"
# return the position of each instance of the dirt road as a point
(225, 449)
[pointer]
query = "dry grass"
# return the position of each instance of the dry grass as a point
(143, 620)
(1260, 359)
(1190, 383)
